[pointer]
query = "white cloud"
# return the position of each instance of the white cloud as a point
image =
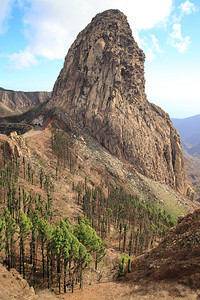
(187, 7)
(21, 60)
(177, 41)
(150, 56)
(51, 26)
(155, 43)
(144, 14)
(5, 10)
(150, 46)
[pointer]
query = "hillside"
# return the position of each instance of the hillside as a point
(17, 102)
(98, 166)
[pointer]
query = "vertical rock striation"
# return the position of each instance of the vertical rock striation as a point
(102, 86)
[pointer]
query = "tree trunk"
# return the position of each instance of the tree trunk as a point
(65, 274)
(48, 273)
(58, 273)
(43, 263)
(96, 261)
(23, 262)
(20, 257)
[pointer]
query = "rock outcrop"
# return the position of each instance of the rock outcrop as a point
(14, 145)
(102, 86)
(13, 102)
(13, 286)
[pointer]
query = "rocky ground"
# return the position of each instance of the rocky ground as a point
(12, 286)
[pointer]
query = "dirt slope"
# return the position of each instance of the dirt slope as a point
(176, 259)
(14, 287)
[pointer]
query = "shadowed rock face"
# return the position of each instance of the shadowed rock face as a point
(102, 86)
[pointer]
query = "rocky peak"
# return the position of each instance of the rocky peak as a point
(102, 86)
(105, 51)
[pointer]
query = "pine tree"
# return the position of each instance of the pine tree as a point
(33, 245)
(10, 227)
(124, 244)
(43, 230)
(129, 265)
(88, 237)
(2, 232)
(25, 226)
(130, 243)
(24, 163)
(120, 234)
(121, 268)
(57, 247)
(41, 178)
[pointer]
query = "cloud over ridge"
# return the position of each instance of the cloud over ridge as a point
(48, 23)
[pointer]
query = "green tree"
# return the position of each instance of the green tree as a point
(130, 243)
(43, 230)
(57, 247)
(124, 244)
(88, 237)
(41, 178)
(10, 227)
(121, 268)
(33, 246)
(2, 232)
(25, 226)
(129, 265)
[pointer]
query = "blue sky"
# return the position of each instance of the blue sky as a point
(36, 34)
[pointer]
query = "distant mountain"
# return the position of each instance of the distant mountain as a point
(17, 102)
(189, 129)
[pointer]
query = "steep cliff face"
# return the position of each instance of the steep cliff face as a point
(13, 102)
(102, 86)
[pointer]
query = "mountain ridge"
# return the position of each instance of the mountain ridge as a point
(16, 102)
